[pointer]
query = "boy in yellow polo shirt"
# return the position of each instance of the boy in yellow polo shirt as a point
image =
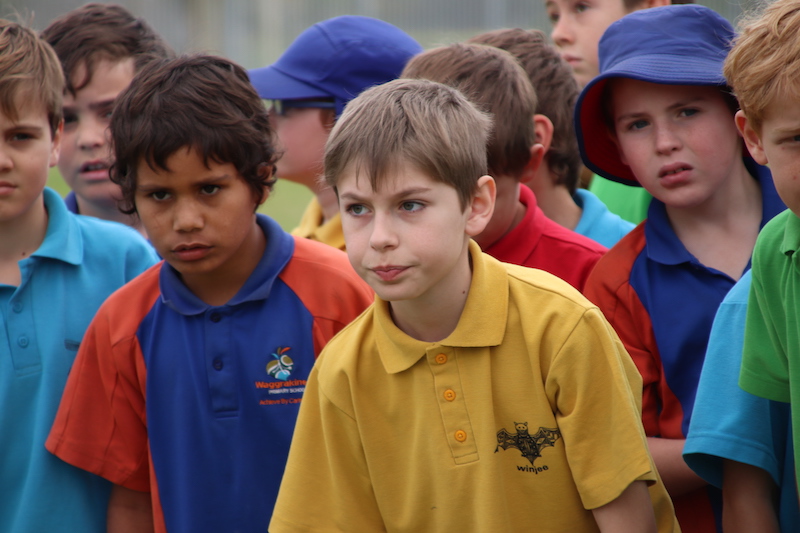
(473, 395)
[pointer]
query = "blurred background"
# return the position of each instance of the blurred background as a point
(255, 32)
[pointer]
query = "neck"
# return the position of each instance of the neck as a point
(555, 201)
(19, 238)
(109, 212)
(434, 317)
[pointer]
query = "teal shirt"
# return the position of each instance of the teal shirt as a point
(597, 222)
(627, 201)
(81, 261)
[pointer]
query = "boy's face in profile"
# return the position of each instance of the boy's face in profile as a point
(408, 240)
(577, 28)
(27, 151)
(302, 132)
(200, 219)
(679, 140)
(778, 144)
(86, 155)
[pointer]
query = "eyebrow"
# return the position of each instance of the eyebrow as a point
(400, 194)
(676, 105)
(211, 180)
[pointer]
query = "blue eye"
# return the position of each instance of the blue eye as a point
(411, 207)
(356, 209)
(638, 124)
(688, 112)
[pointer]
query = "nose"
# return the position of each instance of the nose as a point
(667, 139)
(562, 33)
(383, 236)
(187, 216)
(91, 134)
(6, 162)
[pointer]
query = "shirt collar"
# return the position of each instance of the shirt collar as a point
(279, 250)
(63, 240)
(482, 323)
(664, 246)
(791, 235)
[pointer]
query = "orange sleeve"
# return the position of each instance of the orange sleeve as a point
(101, 423)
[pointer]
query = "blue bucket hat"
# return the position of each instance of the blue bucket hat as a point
(337, 58)
(674, 45)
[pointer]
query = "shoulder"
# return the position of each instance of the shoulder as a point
(110, 234)
(127, 306)
(615, 266)
(323, 277)
(563, 238)
(539, 293)
(344, 351)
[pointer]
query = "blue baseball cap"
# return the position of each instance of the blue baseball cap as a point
(337, 58)
(673, 45)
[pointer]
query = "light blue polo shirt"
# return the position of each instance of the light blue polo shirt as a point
(597, 222)
(81, 261)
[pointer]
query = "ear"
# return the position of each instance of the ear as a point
(751, 138)
(481, 207)
(55, 149)
(265, 172)
(543, 128)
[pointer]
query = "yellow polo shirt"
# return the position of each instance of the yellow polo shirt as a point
(311, 227)
(522, 419)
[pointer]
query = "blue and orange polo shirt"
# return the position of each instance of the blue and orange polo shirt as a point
(197, 403)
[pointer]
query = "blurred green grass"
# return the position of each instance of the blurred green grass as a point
(286, 203)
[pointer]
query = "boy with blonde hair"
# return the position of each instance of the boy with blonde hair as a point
(518, 232)
(763, 69)
(186, 388)
(101, 47)
(473, 395)
(56, 269)
(660, 113)
(555, 182)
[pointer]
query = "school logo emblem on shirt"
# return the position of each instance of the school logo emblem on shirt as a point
(530, 445)
(281, 367)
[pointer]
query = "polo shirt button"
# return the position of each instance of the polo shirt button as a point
(215, 317)
(449, 395)
(217, 364)
(441, 358)
(23, 341)
(17, 307)
(461, 435)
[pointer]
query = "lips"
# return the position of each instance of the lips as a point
(94, 170)
(191, 251)
(674, 175)
(671, 170)
(389, 273)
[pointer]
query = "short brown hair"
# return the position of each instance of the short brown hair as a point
(493, 80)
(418, 122)
(199, 101)
(94, 32)
(29, 72)
(631, 5)
(764, 63)
(556, 93)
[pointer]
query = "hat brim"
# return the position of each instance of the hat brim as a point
(599, 152)
(272, 84)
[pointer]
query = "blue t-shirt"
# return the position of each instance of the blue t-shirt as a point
(729, 423)
(79, 264)
(597, 222)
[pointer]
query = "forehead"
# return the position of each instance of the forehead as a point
(185, 165)
(396, 178)
(627, 93)
(108, 76)
(24, 110)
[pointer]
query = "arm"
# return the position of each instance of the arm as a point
(748, 499)
(631, 512)
(676, 474)
(129, 511)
